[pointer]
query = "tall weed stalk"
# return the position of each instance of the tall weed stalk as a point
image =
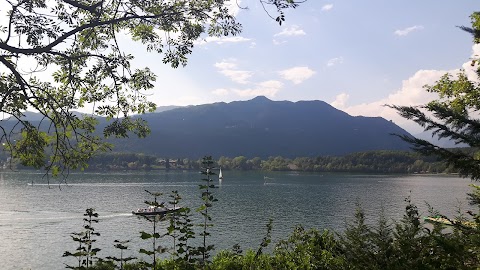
(85, 253)
(207, 201)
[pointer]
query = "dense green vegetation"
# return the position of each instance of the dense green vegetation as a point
(402, 162)
(364, 162)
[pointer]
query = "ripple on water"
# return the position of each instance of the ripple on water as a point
(36, 220)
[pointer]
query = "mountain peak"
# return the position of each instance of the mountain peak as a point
(260, 99)
(261, 127)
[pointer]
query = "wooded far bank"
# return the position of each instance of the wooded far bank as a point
(360, 162)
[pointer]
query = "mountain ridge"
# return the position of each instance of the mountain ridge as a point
(262, 127)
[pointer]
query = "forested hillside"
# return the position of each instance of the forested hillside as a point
(262, 127)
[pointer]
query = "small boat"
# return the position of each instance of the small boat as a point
(439, 220)
(448, 222)
(153, 211)
(220, 175)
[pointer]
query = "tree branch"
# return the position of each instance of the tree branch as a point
(47, 48)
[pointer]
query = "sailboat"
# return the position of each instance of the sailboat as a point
(220, 175)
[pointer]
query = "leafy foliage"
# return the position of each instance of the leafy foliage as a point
(266, 240)
(309, 249)
(368, 162)
(85, 253)
(122, 246)
(181, 230)
(155, 235)
(453, 115)
(208, 200)
(77, 47)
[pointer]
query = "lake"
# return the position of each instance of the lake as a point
(36, 219)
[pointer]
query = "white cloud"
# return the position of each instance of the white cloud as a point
(229, 69)
(220, 92)
(271, 84)
(238, 76)
(340, 101)
(408, 30)
(327, 7)
(266, 88)
(294, 30)
(222, 40)
(334, 61)
(277, 42)
(297, 74)
(411, 93)
(225, 64)
(469, 70)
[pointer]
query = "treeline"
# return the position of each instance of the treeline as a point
(135, 161)
(362, 162)
(366, 162)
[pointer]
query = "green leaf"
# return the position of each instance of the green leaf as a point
(147, 252)
(145, 235)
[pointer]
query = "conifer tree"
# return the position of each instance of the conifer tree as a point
(454, 115)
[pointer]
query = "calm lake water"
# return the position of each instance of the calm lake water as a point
(36, 220)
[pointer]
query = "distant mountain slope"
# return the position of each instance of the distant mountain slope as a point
(261, 127)
(166, 108)
(443, 142)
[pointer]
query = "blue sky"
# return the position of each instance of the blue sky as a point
(355, 55)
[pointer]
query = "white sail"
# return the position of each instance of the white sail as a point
(220, 175)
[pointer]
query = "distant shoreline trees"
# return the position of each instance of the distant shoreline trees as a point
(384, 161)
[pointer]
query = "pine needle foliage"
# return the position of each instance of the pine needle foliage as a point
(454, 115)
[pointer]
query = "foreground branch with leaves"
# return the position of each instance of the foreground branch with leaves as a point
(58, 57)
